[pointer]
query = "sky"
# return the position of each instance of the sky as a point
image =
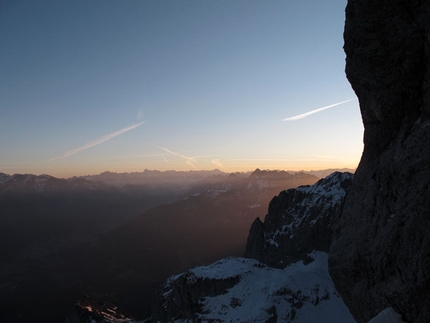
(124, 86)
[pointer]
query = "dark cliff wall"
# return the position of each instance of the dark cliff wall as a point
(181, 296)
(380, 256)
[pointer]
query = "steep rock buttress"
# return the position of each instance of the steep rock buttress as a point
(380, 254)
(287, 278)
(298, 222)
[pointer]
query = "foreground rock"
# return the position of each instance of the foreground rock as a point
(380, 256)
(245, 290)
(99, 309)
(298, 222)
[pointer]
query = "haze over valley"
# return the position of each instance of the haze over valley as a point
(63, 238)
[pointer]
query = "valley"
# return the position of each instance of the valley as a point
(65, 238)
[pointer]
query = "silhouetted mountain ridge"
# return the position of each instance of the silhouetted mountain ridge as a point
(70, 236)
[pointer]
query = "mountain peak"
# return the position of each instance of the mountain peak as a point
(298, 221)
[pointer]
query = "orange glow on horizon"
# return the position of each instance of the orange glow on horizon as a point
(229, 169)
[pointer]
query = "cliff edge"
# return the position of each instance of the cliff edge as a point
(380, 253)
(284, 277)
(299, 221)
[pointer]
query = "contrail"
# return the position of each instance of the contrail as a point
(189, 160)
(97, 141)
(164, 158)
(304, 115)
(218, 163)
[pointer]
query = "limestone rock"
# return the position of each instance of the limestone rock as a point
(298, 222)
(380, 254)
(179, 298)
(245, 290)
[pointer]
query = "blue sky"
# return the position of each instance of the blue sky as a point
(89, 86)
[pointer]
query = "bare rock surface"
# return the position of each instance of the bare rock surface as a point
(98, 309)
(298, 222)
(245, 290)
(380, 254)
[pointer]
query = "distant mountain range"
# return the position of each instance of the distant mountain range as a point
(158, 178)
(72, 236)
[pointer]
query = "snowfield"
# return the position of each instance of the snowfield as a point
(298, 293)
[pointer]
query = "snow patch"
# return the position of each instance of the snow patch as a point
(215, 193)
(4, 178)
(389, 315)
(329, 187)
(40, 182)
(298, 293)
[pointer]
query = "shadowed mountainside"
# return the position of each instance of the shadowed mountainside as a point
(63, 238)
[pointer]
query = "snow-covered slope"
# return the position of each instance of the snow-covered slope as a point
(298, 222)
(249, 291)
(286, 280)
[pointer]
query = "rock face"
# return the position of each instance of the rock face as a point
(245, 290)
(181, 295)
(287, 281)
(380, 254)
(98, 309)
(298, 221)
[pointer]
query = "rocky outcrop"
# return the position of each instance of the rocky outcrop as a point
(180, 297)
(245, 290)
(287, 281)
(298, 221)
(98, 309)
(380, 254)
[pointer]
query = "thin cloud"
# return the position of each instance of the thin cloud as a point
(304, 115)
(218, 163)
(165, 158)
(189, 160)
(97, 141)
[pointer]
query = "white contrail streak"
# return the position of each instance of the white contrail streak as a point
(165, 158)
(304, 115)
(189, 160)
(97, 141)
(218, 163)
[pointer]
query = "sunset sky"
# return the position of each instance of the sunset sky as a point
(90, 86)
